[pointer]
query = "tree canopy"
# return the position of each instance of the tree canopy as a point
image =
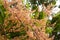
(30, 19)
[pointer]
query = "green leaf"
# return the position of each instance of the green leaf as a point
(1, 20)
(55, 18)
(37, 23)
(49, 30)
(10, 24)
(53, 2)
(57, 26)
(14, 34)
(28, 5)
(2, 8)
(34, 7)
(34, 15)
(2, 14)
(41, 15)
(33, 1)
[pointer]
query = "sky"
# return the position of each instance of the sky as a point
(56, 9)
(58, 2)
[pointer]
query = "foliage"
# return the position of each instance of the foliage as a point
(49, 30)
(2, 15)
(56, 28)
(6, 23)
(42, 15)
(38, 15)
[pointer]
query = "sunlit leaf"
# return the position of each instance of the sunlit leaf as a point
(49, 30)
